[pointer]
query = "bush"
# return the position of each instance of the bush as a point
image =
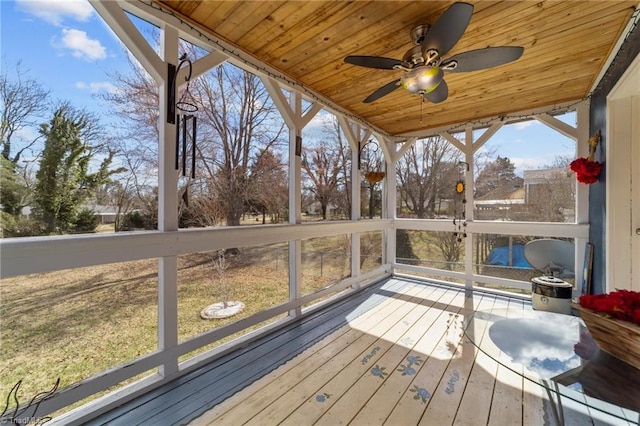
(86, 221)
(137, 220)
(19, 226)
(7, 225)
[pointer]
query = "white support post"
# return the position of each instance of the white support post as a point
(291, 111)
(295, 202)
(356, 178)
(357, 137)
(582, 192)
(582, 150)
(167, 211)
(468, 208)
(389, 240)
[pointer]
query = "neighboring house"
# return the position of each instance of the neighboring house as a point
(315, 208)
(538, 183)
(107, 214)
(497, 204)
(546, 194)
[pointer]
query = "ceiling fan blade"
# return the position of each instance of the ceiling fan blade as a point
(448, 28)
(439, 94)
(383, 91)
(480, 59)
(377, 62)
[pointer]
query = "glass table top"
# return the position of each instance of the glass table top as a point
(557, 352)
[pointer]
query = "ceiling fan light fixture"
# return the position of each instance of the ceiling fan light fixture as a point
(422, 79)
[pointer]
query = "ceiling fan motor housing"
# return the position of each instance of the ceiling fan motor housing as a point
(417, 33)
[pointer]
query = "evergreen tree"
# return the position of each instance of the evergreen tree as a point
(63, 180)
(13, 189)
(499, 173)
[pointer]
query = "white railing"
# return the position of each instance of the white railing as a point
(22, 256)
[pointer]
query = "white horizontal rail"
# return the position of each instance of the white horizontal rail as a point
(31, 255)
(485, 279)
(538, 229)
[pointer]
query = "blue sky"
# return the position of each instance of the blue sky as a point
(63, 44)
(66, 46)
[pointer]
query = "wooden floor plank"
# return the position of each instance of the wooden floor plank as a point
(479, 391)
(446, 398)
(187, 397)
(395, 362)
(394, 354)
(376, 410)
(507, 402)
(536, 408)
(276, 384)
(323, 380)
(418, 395)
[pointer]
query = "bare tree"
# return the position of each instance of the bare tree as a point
(236, 121)
(332, 130)
(24, 101)
(321, 166)
(450, 246)
(268, 190)
(242, 122)
(421, 174)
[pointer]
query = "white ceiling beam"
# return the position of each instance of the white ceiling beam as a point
(560, 126)
(118, 21)
(487, 135)
(453, 141)
(481, 123)
(308, 116)
(280, 101)
(237, 56)
(201, 66)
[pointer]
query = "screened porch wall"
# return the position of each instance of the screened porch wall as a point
(38, 255)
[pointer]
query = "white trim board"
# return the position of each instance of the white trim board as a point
(623, 182)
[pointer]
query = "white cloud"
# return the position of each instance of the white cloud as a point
(524, 124)
(97, 86)
(80, 45)
(56, 11)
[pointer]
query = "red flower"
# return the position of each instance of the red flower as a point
(587, 171)
(621, 304)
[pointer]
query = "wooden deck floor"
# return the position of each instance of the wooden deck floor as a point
(393, 355)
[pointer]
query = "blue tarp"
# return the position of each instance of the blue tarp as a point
(500, 256)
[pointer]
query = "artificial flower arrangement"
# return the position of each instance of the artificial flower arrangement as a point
(621, 304)
(586, 169)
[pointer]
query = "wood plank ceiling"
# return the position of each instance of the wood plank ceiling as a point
(566, 44)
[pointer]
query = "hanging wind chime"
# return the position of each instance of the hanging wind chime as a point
(186, 125)
(459, 215)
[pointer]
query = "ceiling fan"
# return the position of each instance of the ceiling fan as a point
(424, 65)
